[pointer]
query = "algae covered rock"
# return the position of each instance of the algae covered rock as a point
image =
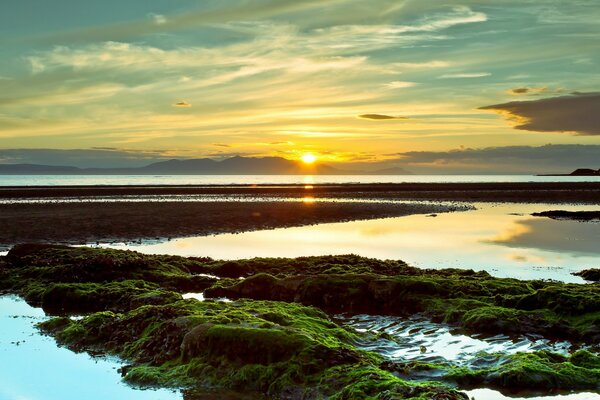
(592, 274)
(239, 346)
(276, 338)
(540, 370)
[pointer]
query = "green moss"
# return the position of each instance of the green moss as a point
(276, 339)
(184, 343)
(60, 298)
(585, 359)
(63, 264)
(537, 370)
(476, 302)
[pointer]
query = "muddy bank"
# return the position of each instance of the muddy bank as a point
(278, 339)
(79, 223)
(534, 192)
(570, 215)
(592, 274)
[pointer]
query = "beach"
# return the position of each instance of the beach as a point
(79, 215)
(315, 326)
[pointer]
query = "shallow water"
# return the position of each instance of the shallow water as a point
(70, 180)
(419, 339)
(502, 239)
(440, 341)
(33, 367)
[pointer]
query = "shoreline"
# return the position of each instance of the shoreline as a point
(542, 192)
(88, 223)
(92, 214)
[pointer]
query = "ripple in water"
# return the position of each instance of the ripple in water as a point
(418, 338)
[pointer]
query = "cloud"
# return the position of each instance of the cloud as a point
(158, 19)
(400, 84)
(182, 104)
(577, 113)
(221, 145)
(526, 90)
(465, 75)
(507, 159)
(379, 117)
(260, 9)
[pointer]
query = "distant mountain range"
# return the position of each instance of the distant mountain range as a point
(201, 166)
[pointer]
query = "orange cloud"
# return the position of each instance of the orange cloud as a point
(379, 117)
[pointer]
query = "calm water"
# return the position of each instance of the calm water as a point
(32, 367)
(502, 239)
(70, 180)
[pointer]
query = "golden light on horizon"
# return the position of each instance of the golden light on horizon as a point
(309, 158)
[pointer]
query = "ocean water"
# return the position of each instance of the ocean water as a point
(73, 180)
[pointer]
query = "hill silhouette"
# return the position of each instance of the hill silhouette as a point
(200, 166)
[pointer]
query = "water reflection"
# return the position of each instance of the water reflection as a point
(561, 236)
(418, 338)
(33, 367)
(500, 239)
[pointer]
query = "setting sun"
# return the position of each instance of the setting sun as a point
(309, 158)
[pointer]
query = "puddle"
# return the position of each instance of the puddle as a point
(200, 297)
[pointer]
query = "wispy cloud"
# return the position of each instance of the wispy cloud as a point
(379, 117)
(259, 9)
(400, 84)
(182, 104)
(462, 75)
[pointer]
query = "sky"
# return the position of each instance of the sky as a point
(433, 86)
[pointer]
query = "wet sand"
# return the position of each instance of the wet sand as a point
(534, 192)
(80, 223)
(153, 212)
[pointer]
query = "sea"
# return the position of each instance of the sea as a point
(94, 180)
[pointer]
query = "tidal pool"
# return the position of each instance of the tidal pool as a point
(33, 367)
(503, 239)
(417, 338)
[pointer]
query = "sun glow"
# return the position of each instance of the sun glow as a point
(309, 158)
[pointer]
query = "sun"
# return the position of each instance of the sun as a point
(309, 158)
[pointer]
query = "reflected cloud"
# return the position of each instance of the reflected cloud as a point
(525, 258)
(575, 238)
